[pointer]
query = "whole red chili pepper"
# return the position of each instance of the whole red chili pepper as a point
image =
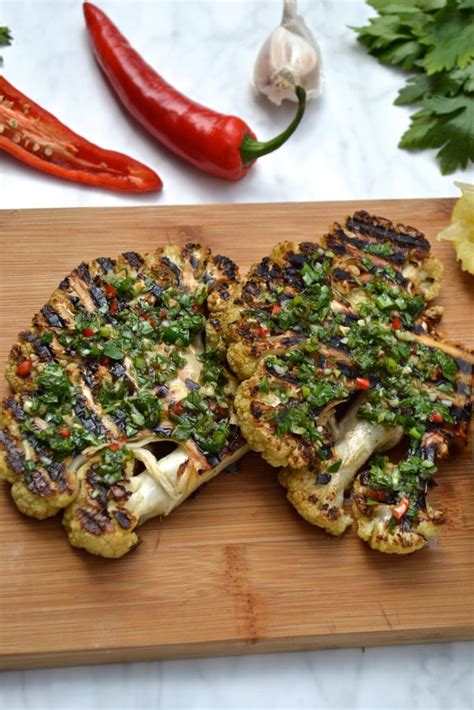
(37, 138)
(221, 145)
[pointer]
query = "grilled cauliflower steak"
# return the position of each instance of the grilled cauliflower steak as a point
(339, 356)
(120, 408)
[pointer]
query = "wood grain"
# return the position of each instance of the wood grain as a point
(234, 570)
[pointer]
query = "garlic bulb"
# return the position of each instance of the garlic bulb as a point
(289, 57)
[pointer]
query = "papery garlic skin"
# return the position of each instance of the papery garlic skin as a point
(289, 57)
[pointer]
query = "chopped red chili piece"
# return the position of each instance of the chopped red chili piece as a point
(110, 291)
(276, 309)
(378, 495)
(436, 417)
(88, 332)
(24, 368)
(177, 408)
(400, 510)
(113, 308)
(396, 323)
(65, 432)
(114, 446)
(362, 383)
(262, 332)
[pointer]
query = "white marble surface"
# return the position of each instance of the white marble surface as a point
(345, 149)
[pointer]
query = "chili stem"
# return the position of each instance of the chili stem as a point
(250, 149)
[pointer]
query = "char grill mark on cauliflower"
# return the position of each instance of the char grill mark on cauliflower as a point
(360, 303)
(115, 362)
(366, 247)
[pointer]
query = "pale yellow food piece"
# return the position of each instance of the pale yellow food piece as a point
(461, 230)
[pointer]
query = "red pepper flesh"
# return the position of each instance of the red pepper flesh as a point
(24, 368)
(400, 510)
(218, 144)
(362, 383)
(88, 332)
(177, 408)
(436, 417)
(34, 136)
(110, 291)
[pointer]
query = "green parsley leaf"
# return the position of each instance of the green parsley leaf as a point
(5, 39)
(450, 38)
(446, 123)
(113, 351)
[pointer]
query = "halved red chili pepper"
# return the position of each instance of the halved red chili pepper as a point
(37, 138)
(24, 368)
(362, 383)
(218, 144)
(400, 510)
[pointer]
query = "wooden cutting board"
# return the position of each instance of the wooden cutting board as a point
(234, 570)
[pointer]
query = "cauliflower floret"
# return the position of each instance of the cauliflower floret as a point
(241, 360)
(40, 507)
(39, 491)
(319, 496)
(386, 518)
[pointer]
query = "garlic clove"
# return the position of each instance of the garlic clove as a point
(289, 57)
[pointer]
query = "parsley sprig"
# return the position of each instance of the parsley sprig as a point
(434, 41)
(5, 39)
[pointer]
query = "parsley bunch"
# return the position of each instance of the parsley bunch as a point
(433, 40)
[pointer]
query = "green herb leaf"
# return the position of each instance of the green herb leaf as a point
(113, 351)
(446, 123)
(450, 38)
(5, 39)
